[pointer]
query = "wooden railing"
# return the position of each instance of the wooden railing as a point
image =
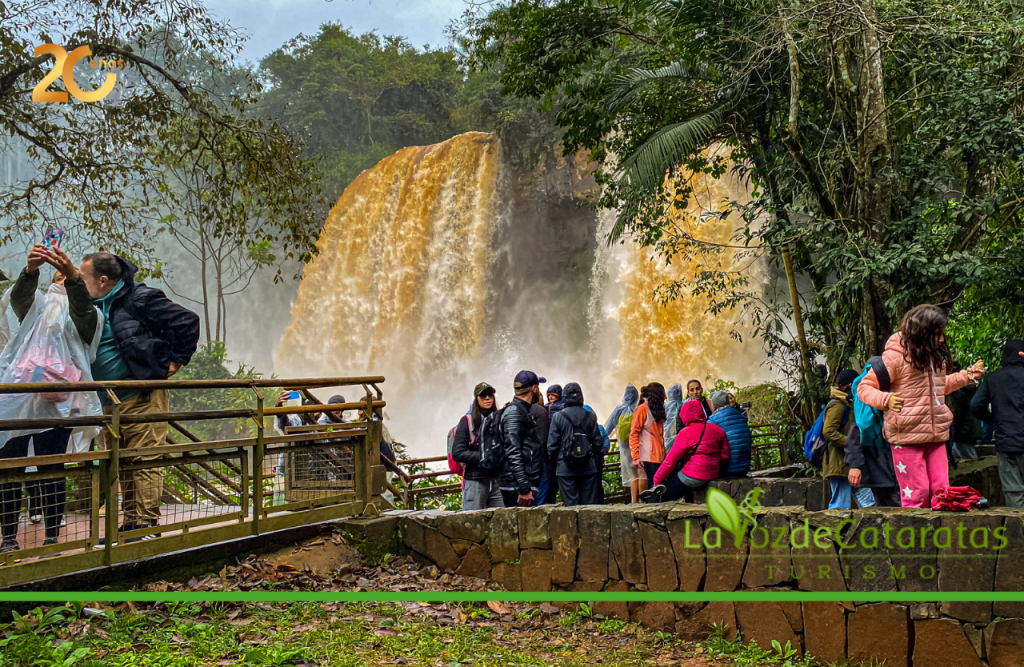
(213, 491)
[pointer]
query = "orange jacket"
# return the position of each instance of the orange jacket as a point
(924, 417)
(656, 434)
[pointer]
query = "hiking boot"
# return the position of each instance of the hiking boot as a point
(49, 541)
(123, 529)
(653, 494)
(144, 538)
(10, 544)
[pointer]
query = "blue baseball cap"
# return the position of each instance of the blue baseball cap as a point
(527, 379)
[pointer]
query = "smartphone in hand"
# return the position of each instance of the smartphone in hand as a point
(53, 238)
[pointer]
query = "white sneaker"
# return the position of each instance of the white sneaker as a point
(36, 518)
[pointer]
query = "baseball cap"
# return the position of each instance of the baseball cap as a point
(526, 379)
(482, 388)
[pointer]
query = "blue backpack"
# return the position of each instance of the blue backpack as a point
(815, 443)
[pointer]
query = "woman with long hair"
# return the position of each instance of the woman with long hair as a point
(646, 435)
(481, 490)
(917, 421)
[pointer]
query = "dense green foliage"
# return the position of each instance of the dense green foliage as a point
(210, 362)
(882, 141)
(354, 100)
(100, 170)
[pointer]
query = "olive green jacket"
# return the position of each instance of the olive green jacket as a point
(835, 432)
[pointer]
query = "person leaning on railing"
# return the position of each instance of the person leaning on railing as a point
(145, 336)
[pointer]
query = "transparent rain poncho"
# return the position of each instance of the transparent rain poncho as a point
(46, 347)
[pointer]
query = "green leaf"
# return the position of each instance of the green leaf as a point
(724, 511)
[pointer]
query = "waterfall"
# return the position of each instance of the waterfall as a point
(432, 272)
(400, 286)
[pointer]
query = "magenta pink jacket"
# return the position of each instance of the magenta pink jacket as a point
(924, 418)
(709, 452)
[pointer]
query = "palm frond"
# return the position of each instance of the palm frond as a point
(668, 146)
(629, 85)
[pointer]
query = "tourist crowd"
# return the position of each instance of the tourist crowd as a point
(885, 433)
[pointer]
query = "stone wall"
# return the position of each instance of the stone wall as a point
(814, 494)
(673, 548)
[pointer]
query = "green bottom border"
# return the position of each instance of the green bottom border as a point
(484, 596)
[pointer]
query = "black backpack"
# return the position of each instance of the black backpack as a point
(492, 444)
(577, 451)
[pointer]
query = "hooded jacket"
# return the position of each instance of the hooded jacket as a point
(630, 399)
(561, 433)
(1000, 400)
(675, 401)
(703, 446)
(524, 449)
(924, 418)
(641, 423)
(835, 431)
(737, 431)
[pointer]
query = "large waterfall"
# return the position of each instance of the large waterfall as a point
(433, 273)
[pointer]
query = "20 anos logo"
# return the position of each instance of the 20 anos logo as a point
(65, 67)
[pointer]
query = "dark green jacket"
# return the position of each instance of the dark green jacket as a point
(835, 432)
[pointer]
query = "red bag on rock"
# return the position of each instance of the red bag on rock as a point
(956, 499)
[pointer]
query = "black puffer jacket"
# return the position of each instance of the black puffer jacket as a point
(1003, 390)
(524, 451)
(561, 433)
(150, 329)
(466, 450)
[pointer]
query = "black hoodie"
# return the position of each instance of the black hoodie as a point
(561, 432)
(1000, 400)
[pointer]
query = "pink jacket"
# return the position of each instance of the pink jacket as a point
(709, 452)
(924, 417)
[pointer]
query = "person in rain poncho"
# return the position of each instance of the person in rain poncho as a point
(49, 346)
(619, 422)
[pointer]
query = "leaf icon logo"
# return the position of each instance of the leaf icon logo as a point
(724, 511)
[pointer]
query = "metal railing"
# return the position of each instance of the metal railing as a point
(211, 491)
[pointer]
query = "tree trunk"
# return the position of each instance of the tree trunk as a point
(874, 147)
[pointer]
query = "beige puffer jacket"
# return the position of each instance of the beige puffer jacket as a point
(925, 417)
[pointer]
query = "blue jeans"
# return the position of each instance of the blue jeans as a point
(841, 491)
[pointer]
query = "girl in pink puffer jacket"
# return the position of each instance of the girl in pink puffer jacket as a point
(917, 421)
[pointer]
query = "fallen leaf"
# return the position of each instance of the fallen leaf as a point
(386, 632)
(177, 639)
(461, 618)
(498, 608)
(548, 608)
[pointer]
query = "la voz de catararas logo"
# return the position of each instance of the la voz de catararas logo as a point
(887, 540)
(64, 67)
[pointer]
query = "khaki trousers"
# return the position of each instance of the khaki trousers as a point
(141, 489)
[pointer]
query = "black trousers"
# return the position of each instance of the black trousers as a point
(579, 489)
(53, 491)
(887, 496)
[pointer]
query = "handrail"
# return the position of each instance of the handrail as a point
(149, 385)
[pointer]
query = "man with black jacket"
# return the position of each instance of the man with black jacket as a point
(1000, 401)
(524, 443)
(146, 336)
(578, 481)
